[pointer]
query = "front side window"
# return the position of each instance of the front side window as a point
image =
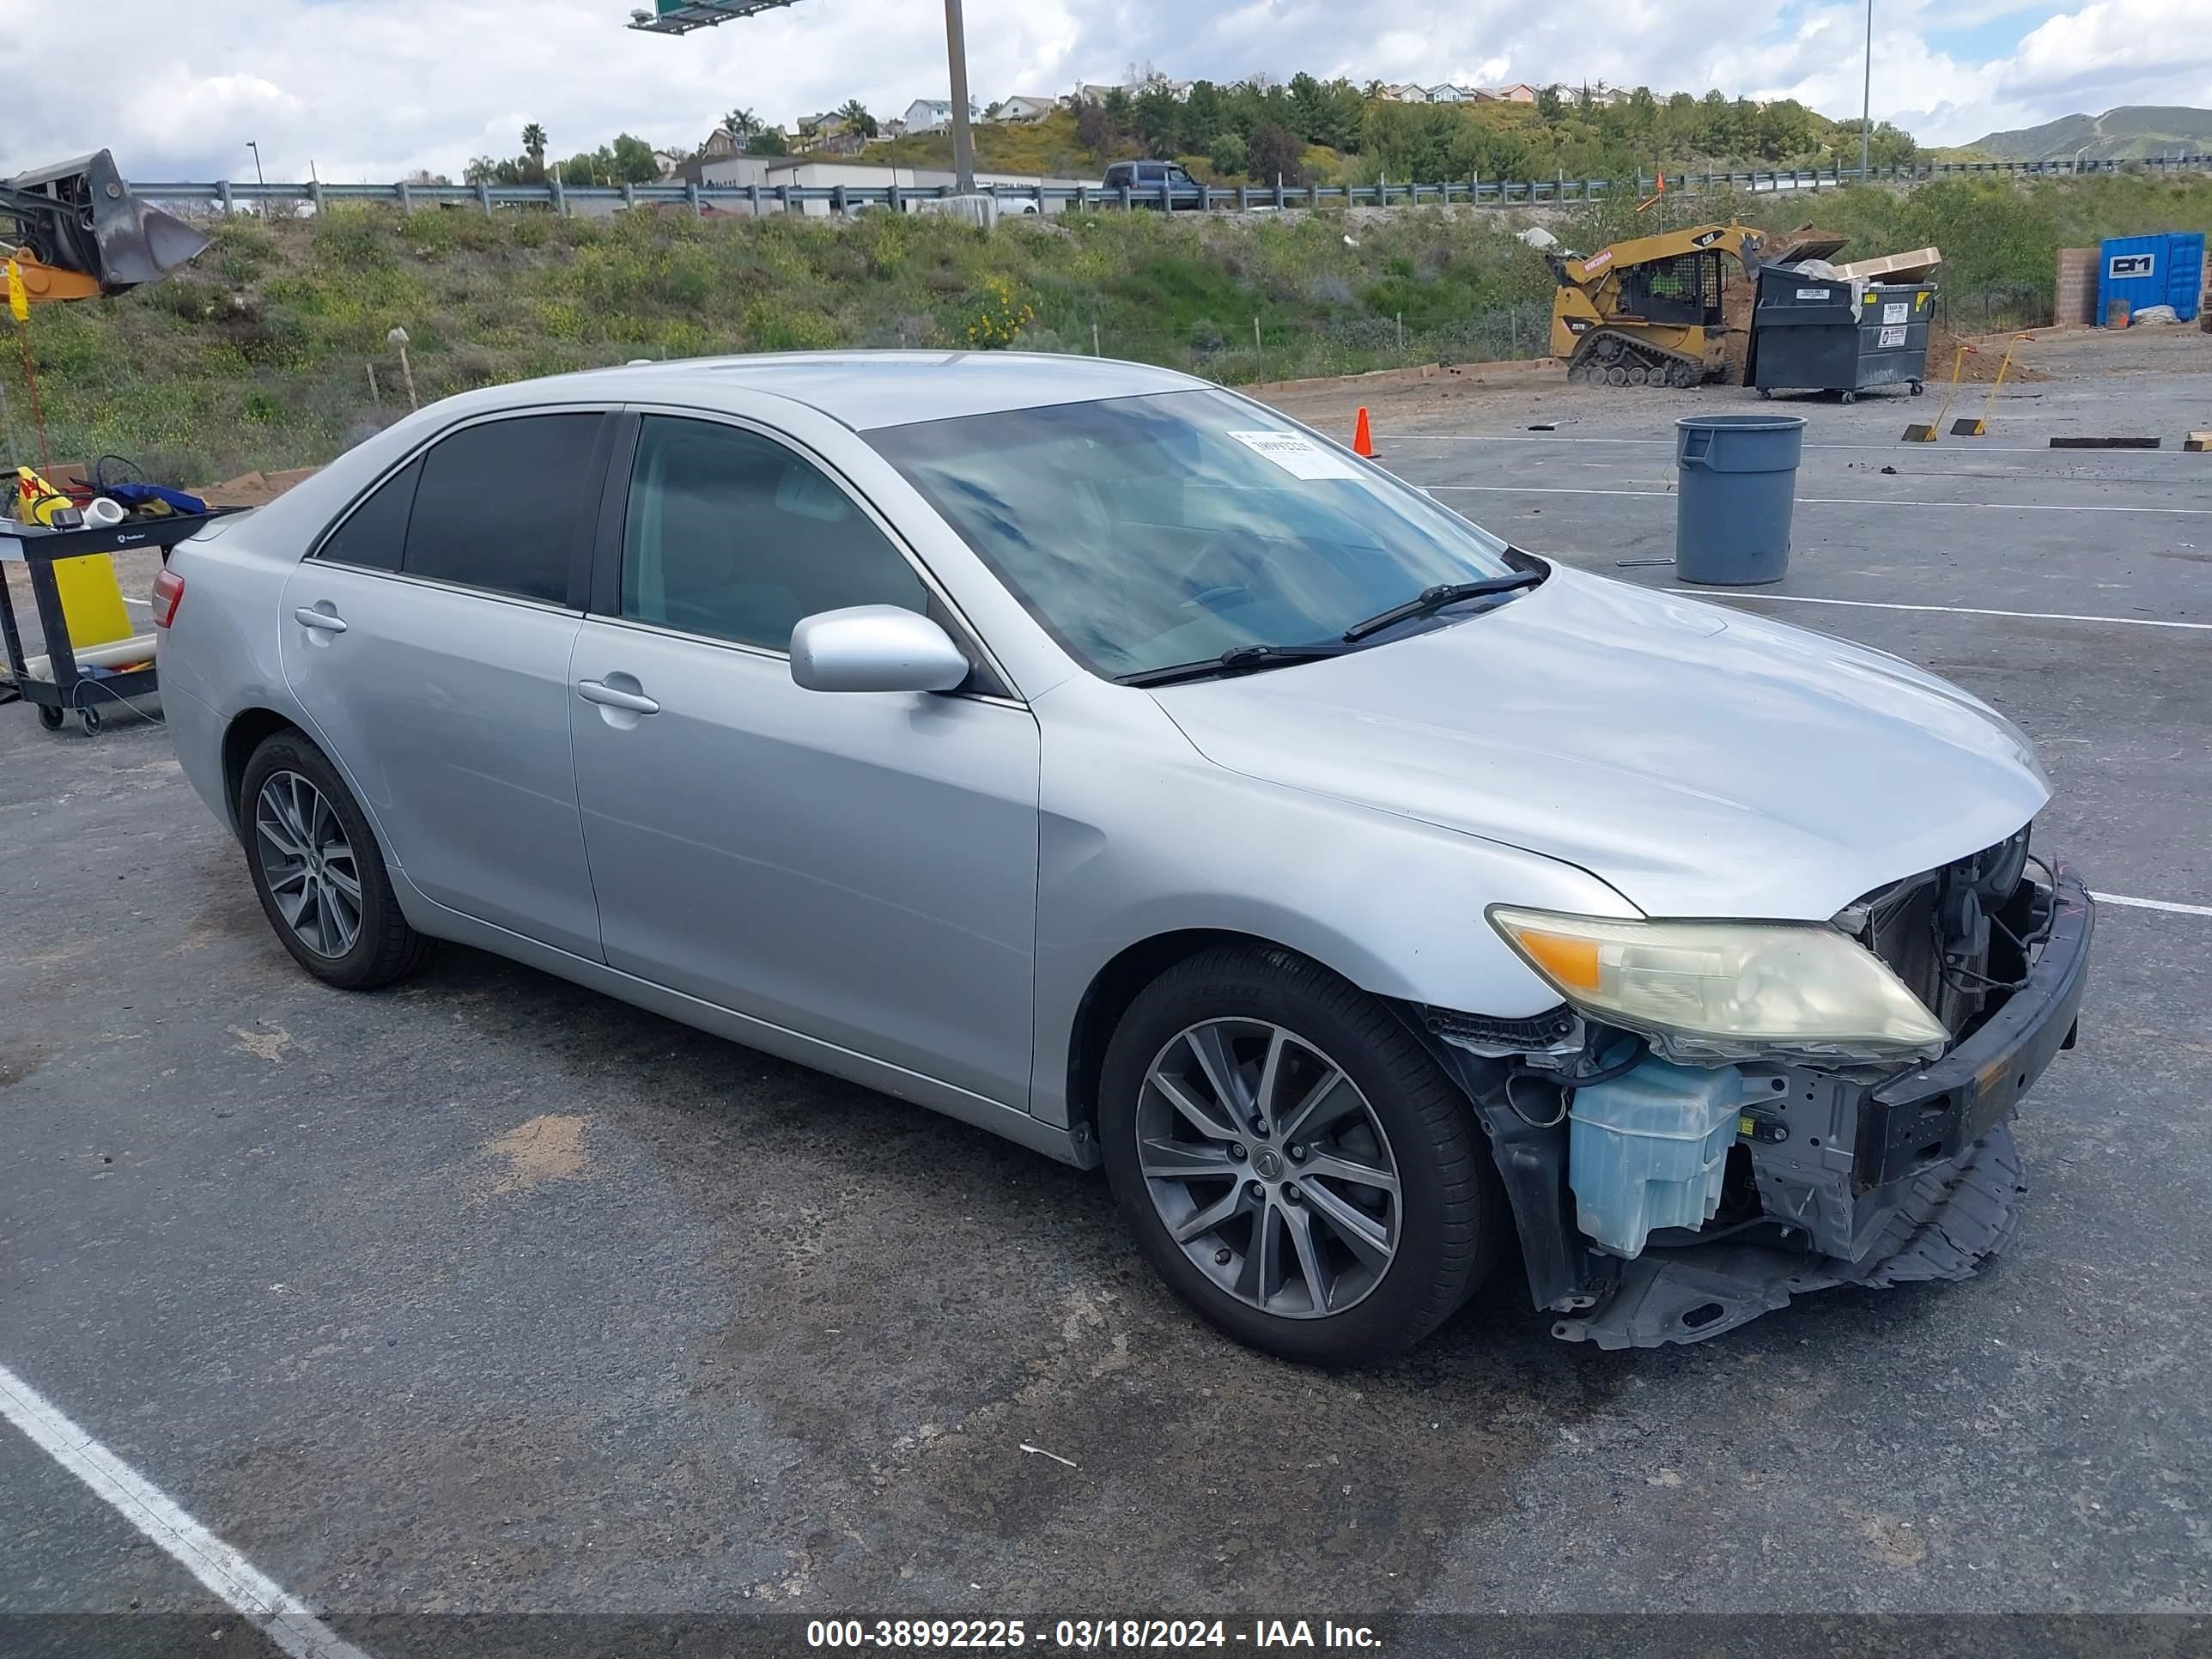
(503, 505)
(1147, 533)
(731, 535)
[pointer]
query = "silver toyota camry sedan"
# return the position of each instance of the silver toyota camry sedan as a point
(1097, 756)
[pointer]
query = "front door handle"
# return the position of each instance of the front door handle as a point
(613, 696)
(328, 622)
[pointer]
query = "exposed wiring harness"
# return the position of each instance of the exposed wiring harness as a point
(1969, 981)
(1567, 1083)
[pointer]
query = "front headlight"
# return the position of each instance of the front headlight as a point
(1727, 990)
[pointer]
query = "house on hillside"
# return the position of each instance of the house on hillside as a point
(1445, 93)
(1090, 93)
(721, 144)
(1407, 93)
(1519, 93)
(1023, 108)
(934, 114)
(893, 128)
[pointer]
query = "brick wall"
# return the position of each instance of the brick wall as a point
(2076, 301)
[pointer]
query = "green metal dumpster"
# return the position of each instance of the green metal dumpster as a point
(1829, 334)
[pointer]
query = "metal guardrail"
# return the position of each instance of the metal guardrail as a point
(839, 198)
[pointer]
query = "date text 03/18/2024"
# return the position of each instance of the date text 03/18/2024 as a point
(1085, 1635)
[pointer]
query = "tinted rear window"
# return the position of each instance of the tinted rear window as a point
(502, 506)
(375, 533)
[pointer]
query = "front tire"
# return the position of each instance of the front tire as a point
(318, 872)
(1292, 1161)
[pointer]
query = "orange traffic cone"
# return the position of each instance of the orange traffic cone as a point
(1363, 440)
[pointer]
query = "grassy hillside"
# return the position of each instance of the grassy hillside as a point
(2130, 133)
(1051, 147)
(259, 355)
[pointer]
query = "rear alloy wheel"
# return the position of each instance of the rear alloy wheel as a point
(317, 870)
(1292, 1160)
(310, 868)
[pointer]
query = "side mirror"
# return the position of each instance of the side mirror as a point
(874, 647)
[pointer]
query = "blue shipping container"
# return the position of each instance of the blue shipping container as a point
(2166, 269)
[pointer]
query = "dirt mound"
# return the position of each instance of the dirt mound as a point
(1979, 366)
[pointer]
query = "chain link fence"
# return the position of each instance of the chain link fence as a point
(1241, 351)
(1993, 307)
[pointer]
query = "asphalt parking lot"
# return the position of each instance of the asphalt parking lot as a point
(490, 1296)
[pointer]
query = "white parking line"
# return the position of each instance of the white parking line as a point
(259, 1600)
(2153, 904)
(1829, 501)
(1962, 610)
(1669, 443)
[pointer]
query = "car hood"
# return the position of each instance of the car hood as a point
(1703, 762)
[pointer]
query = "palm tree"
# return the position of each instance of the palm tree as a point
(741, 124)
(533, 147)
(854, 114)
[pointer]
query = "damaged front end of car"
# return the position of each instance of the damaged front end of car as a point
(1722, 1115)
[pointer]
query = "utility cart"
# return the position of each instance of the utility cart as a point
(1831, 334)
(57, 684)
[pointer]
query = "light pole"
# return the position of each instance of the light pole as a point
(1866, 106)
(256, 149)
(963, 143)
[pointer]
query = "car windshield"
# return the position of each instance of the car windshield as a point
(1148, 532)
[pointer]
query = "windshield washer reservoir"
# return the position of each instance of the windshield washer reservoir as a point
(1649, 1149)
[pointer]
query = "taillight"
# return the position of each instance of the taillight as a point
(168, 594)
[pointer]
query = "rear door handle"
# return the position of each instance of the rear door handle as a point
(328, 622)
(613, 696)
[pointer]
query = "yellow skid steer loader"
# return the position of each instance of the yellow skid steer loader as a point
(1660, 310)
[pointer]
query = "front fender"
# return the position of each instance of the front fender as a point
(1141, 837)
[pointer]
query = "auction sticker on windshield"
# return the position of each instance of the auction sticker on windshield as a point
(1300, 457)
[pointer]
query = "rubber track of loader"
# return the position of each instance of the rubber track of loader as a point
(1584, 368)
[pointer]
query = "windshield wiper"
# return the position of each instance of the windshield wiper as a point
(1239, 660)
(1433, 599)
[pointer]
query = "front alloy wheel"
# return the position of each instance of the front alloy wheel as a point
(1268, 1167)
(1292, 1159)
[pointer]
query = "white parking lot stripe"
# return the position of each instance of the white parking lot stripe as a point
(2153, 904)
(229, 1575)
(1669, 443)
(1832, 500)
(1962, 610)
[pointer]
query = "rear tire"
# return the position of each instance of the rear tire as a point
(317, 870)
(1349, 1271)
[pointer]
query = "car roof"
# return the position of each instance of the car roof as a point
(867, 390)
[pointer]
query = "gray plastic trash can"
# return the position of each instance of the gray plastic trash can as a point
(1736, 484)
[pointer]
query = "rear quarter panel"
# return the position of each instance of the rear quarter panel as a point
(218, 659)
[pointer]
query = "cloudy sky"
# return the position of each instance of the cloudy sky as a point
(367, 90)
